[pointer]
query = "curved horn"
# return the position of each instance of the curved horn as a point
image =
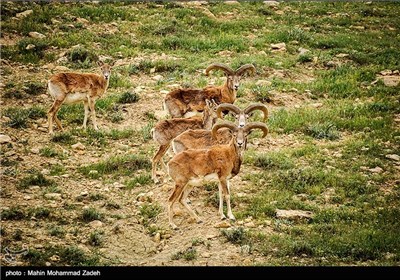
(217, 126)
(244, 68)
(254, 125)
(220, 66)
(257, 106)
(229, 107)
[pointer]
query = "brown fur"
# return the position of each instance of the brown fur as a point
(77, 87)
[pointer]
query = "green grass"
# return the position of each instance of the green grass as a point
(149, 212)
(14, 213)
(57, 231)
(48, 152)
(96, 238)
(139, 180)
(36, 179)
(188, 254)
(91, 214)
(128, 97)
(124, 165)
(19, 117)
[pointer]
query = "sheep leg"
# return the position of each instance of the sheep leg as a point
(226, 191)
(52, 115)
(221, 201)
(183, 200)
(157, 157)
(93, 112)
(176, 194)
(86, 106)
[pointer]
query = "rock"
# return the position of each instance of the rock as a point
(247, 262)
(54, 21)
(223, 224)
(157, 237)
(53, 196)
(271, 3)
(205, 255)
(317, 105)
(393, 157)
(250, 225)
(231, 2)
(263, 83)
(61, 68)
(24, 14)
(34, 188)
(42, 129)
(27, 197)
(84, 193)
(164, 91)
(5, 139)
(376, 169)
(391, 81)
(279, 47)
(37, 35)
(330, 64)
(293, 214)
(82, 20)
(10, 153)
(54, 258)
(78, 146)
(93, 172)
(158, 78)
(342, 55)
(245, 249)
(122, 147)
(30, 47)
(386, 72)
(303, 51)
(96, 224)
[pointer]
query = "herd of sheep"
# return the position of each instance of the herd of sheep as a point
(204, 149)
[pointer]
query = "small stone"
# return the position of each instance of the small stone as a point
(96, 224)
(376, 169)
(279, 46)
(93, 172)
(393, 157)
(223, 224)
(27, 197)
(157, 237)
(24, 14)
(152, 70)
(82, 20)
(54, 258)
(391, 81)
(317, 105)
(54, 21)
(247, 262)
(330, 64)
(164, 91)
(293, 214)
(386, 72)
(48, 263)
(53, 196)
(30, 47)
(271, 3)
(263, 83)
(250, 225)
(231, 2)
(303, 51)
(342, 55)
(10, 153)
(34, 188)
(78, 146)
(36, 35)
(84, 193)
(61, 68)
(158, 78)
(205, 255)
(5, 139)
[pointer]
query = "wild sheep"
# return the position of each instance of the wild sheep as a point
(183, 102)
(220, 162)
(202, 138)
(166, 130)
(68, 88)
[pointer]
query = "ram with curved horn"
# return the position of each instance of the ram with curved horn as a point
(187, 102)
(166, 130)
(202, 138)
(194, 167)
